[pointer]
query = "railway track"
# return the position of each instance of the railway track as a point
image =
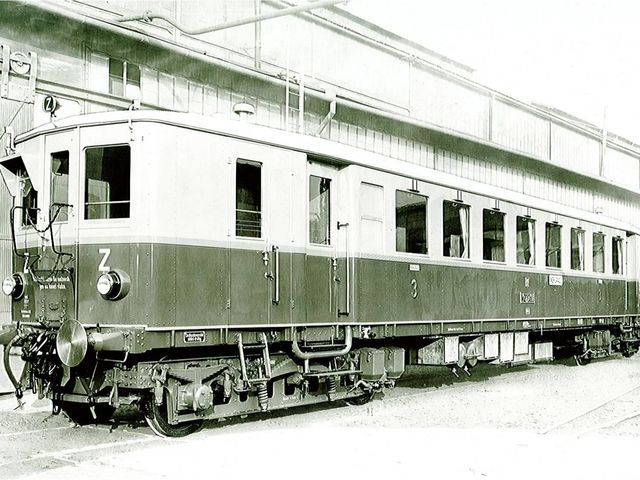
(608, 413)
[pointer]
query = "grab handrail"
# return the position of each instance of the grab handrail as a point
(348, 341)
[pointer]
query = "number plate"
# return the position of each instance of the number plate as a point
(195, 337)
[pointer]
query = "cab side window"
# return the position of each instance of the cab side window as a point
(107, 186)
(60, 186)
(28, 200)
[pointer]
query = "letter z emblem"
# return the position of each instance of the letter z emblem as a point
(103, 267)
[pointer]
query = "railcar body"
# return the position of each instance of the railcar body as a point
(209, 268)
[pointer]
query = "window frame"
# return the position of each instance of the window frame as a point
(467, 249)
(503, 215)
(65, 210)
(330, 196)
(125, 76)
(532, 251)
(614, 240)
(83, 182)
(604, 252)
(426, 222)
(261, 165)
(23, 177)
(558, 225)
(578, 230)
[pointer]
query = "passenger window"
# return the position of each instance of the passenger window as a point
(493, 235)
(107, 187)
(598, 252)
(319, 210)
(411, 222)
(577, 249)
(616, 255)
(455, 229)
(553, 234)
(248, 199)
(59, 186)
(29, 201)
(525, 241)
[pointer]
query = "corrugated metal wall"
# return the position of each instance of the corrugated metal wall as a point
(519, 130)
(438, 100)
(574, 150)
(621, 168)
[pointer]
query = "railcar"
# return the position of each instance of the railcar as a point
(204, 268)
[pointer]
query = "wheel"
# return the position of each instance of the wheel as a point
(360, 399)
(156, 417)
(628, 352)
(81, 414)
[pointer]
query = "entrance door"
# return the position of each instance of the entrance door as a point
(324, 265)
(59, 205)
(260, 238)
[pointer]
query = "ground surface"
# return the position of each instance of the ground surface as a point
(499, 424)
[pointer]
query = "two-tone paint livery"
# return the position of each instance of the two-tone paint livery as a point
(208, 268)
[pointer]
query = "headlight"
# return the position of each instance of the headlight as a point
(13, 285)
(105, 284)
(113, 285)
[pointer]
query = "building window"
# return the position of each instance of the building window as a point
(124, 78)
(319, 210)
(598, 252)
(59, 186)
(553, 236)
(107, 186)
(577, 249)
(525, 241)
(616, 255)
(29, 201)
(493, 235)
(411, 222)
(455, 229)
(248, 199)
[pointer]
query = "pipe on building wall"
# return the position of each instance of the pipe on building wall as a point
(149, 15)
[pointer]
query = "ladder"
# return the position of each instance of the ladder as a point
(264, 371)
(294, 103)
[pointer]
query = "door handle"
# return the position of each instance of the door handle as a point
(276, 275)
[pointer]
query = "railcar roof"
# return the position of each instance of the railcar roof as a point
(322, 148)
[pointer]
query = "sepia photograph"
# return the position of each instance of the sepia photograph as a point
(319, 239)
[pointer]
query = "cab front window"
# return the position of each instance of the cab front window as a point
(107, 186)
